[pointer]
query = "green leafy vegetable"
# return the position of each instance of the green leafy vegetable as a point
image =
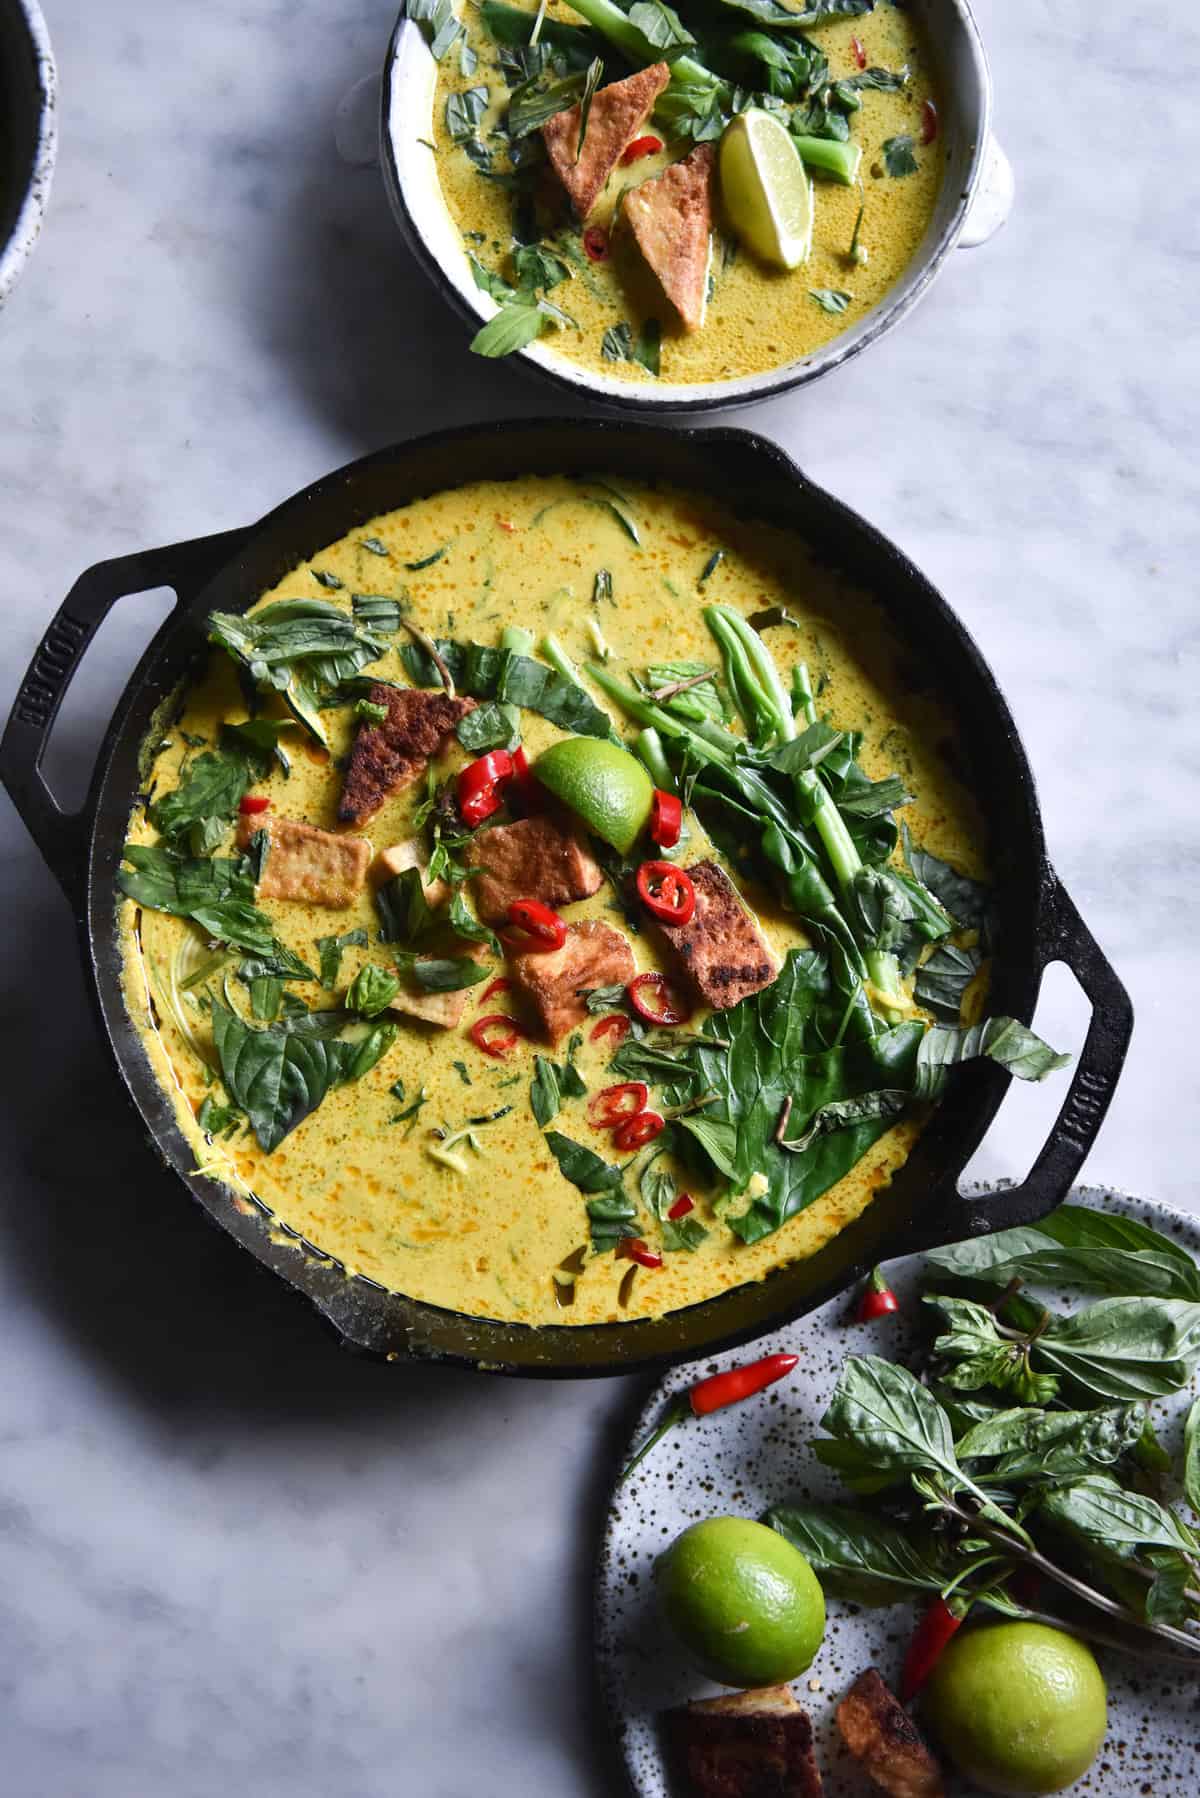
(490, 726)
(1191, 1458)
(405, 915)
(862, 1558)
(1090, 1250)
(552, 1082)
(944, 978)
(464, 112)
(831, 299)
(296, 648)
(330, 948)
(280, 1074)
(1004, 1040)
(591, 1174)
(898, 158)
(1052, 1446)
(372, 990)
(516, 324)
(443, 974)
(619, 345)
(659, 1193)
(500, 674)
(216, 894)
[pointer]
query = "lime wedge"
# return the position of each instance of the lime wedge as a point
(767, 193)
(602, 784)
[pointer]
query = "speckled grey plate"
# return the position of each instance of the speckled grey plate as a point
(743, 1460)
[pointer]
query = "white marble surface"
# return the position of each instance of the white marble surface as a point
(229, 1557)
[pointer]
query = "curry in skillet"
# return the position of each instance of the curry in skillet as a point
(547, 902)
(693, 195)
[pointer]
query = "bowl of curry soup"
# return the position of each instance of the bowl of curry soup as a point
(689, 208)
(541, 886)
(28, 133)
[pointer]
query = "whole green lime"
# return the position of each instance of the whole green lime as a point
(744, 1603)
(1021, 1709)
(602, 784)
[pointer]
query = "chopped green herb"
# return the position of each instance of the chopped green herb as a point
(370, 713)
(711, 566)
(460, 1068)
(830, 299)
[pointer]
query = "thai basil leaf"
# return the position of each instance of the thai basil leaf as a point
(464, 112)
(279, 1075)
(611, 1217)
(293, 646)
(843, 1114)
(372, 990)
(1125, 1349)
(898, 158)
(883, 1409)
(216, 894)
(855, 1466)
(1080, 1255)
(539, 268)
(369, 1049)
(583, 1167)
(1004, 1040)
(860, 1558)
(787, 18)
(463, 922)
(1052, 1446)
(212, 788)
(944, 978)
(489, 726)
(377, 613)
(660, 25)
(219, 1120)
(967, 901)
(659, 1193)
(542, 98)
(487, 281)
(443, 974)
(516, 324)
(486, 673)
(405, 915)
(1191, 1458)
(330, 948)
(1119, 1520)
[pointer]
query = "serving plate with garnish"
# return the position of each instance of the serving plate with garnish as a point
(1086, 1503)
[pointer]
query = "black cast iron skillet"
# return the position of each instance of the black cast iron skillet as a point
(1038, 924)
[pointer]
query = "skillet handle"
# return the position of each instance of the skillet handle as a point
(1061, 936)
(186, 567)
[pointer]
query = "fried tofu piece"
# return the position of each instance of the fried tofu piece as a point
(388, 757)
(306, 863)
(594, 954)
(720, 948)
(535, 858)
(883, 1738)
(617, 114)
(671, 218)
(398, 859)
(443, 1009)
(749, 1745)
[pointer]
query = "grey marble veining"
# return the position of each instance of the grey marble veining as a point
(229, 1557)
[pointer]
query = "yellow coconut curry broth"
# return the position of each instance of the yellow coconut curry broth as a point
(758, 316)
(503, 1233)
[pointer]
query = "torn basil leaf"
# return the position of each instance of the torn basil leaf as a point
(329, 949)
(372, 990)
(464, 112)
(1004, 1040)
(898, 158)
(943, 979)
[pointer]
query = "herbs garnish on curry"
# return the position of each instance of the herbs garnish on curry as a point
(548, 902)
(689, 195)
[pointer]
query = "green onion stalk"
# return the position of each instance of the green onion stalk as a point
(767, 710)
(783, 844)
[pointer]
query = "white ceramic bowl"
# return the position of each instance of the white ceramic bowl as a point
(28, 133)
(974, 201)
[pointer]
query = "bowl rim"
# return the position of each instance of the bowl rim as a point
(573, 378)
(15, 253)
